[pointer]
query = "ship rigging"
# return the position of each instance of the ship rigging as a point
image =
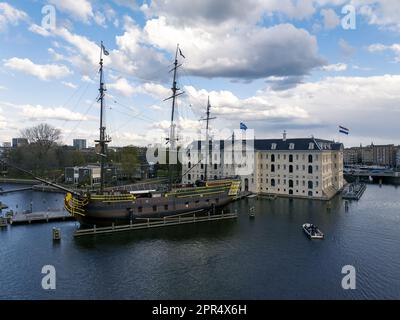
(106, 207)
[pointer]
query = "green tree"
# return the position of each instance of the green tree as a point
(129, 160)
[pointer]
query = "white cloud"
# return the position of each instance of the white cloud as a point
(335, 67)
(56, 56)
(253, 52)
(154, 90)
(331, 19)
(78, 9)
(226, 105)
(184, 12)
(86, 78)
(69, 85)
(123, 86)
(395, 48)
(383, 13)
(40, 113)
(10, 15)
(43, 72)
(39, 30)
(368, 105)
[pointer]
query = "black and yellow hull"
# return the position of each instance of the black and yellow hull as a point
(118, 209)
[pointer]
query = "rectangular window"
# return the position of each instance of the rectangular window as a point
(140, 209)
(154, 208)
(165, 207)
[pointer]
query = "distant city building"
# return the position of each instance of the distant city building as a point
(289, 167)
(7, 145)
(79, 144)
(398, 157)
(378, 155)
(367, 155)
(385, 155)
(352, 156)
(17, 142)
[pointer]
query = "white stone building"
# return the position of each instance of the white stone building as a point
(309, 167)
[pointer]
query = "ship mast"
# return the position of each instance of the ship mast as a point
(103, 139)
(175, 93)
(207, 119)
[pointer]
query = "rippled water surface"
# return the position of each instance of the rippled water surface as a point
(268, 257)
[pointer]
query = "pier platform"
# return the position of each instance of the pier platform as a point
(155, 223)
(40, 217)
(354, 191)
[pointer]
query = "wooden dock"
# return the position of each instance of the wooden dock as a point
(2, 192)
(40, 217)
(155, 223)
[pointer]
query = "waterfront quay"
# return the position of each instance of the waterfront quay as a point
(265, 257)
(40, 217)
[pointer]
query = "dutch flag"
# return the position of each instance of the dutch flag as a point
(344, 130)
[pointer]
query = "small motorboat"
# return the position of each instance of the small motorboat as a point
(312, 231)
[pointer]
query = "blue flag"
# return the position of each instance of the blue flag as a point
(243, 126)
(344, 130)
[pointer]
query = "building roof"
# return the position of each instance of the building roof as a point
(297, 144)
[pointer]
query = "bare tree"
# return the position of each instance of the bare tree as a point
(43, 135)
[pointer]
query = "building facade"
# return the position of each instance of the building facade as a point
(79, 144)
(377, 155)
(367, 155)
(352, 156)
(385, 155)
(289, 167)
(88, 175)
(17, 142)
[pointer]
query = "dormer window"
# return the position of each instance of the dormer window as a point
(311, 146)
(273, 146)
(291, 146)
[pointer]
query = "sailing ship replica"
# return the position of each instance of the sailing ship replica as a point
(107, 207)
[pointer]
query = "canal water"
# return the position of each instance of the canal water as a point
(268, 257)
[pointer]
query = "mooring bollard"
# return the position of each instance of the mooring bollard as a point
(56, 234)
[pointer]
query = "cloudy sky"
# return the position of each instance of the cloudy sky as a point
(274, 64)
